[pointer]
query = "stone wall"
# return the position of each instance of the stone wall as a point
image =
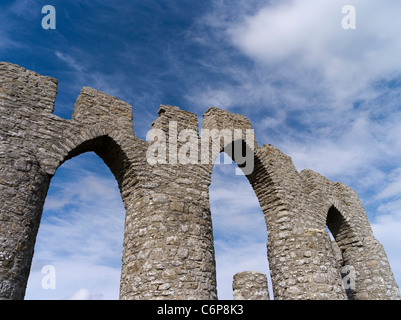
(168, 250)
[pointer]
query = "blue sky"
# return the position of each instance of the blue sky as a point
(327, 97)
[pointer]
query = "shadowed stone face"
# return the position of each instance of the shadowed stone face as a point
(168, 250)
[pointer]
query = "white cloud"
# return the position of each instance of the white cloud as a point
(235, 208)
(85, 294)
(393, 187)
(70, 61)
(6, 42)
(306, 35)
(88, 188)
(75, 280)
(340, 150)
(313, 87)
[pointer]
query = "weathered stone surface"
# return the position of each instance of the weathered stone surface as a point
(250, 285)
(168, 250)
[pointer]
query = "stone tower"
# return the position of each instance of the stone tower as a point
(168, 250)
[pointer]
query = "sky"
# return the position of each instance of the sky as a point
(324, 95)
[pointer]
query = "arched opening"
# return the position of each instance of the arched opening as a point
(79, 244)
(341, 235)
(239, 228)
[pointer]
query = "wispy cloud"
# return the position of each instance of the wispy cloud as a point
(70, 61)
(324, 95)
(394, 185)
(9, 25)
(90, 188)
(26, 9)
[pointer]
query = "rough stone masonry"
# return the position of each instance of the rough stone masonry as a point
(168, 250)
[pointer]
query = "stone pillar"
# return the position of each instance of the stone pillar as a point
(168, 240)
(368, 272)
(298, 251)
(23, 188)
(250, 285)
(359, 258)
(23, 182)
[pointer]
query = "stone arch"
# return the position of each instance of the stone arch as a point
(341, 229)
(338, 207)
(88, 219)
(344, 238)
(40, 144)
(259, 232)
(107, 149)
(124, 155)
(114, 153)
(274, 180)
(366, 271)
(273, 171)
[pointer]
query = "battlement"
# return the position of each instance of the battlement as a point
(93, 106)
(23, 89)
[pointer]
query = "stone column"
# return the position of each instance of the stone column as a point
(168, 240)
(298, 250)
(250, 285)
(23, 188)
(23, 182)
(368, 273)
